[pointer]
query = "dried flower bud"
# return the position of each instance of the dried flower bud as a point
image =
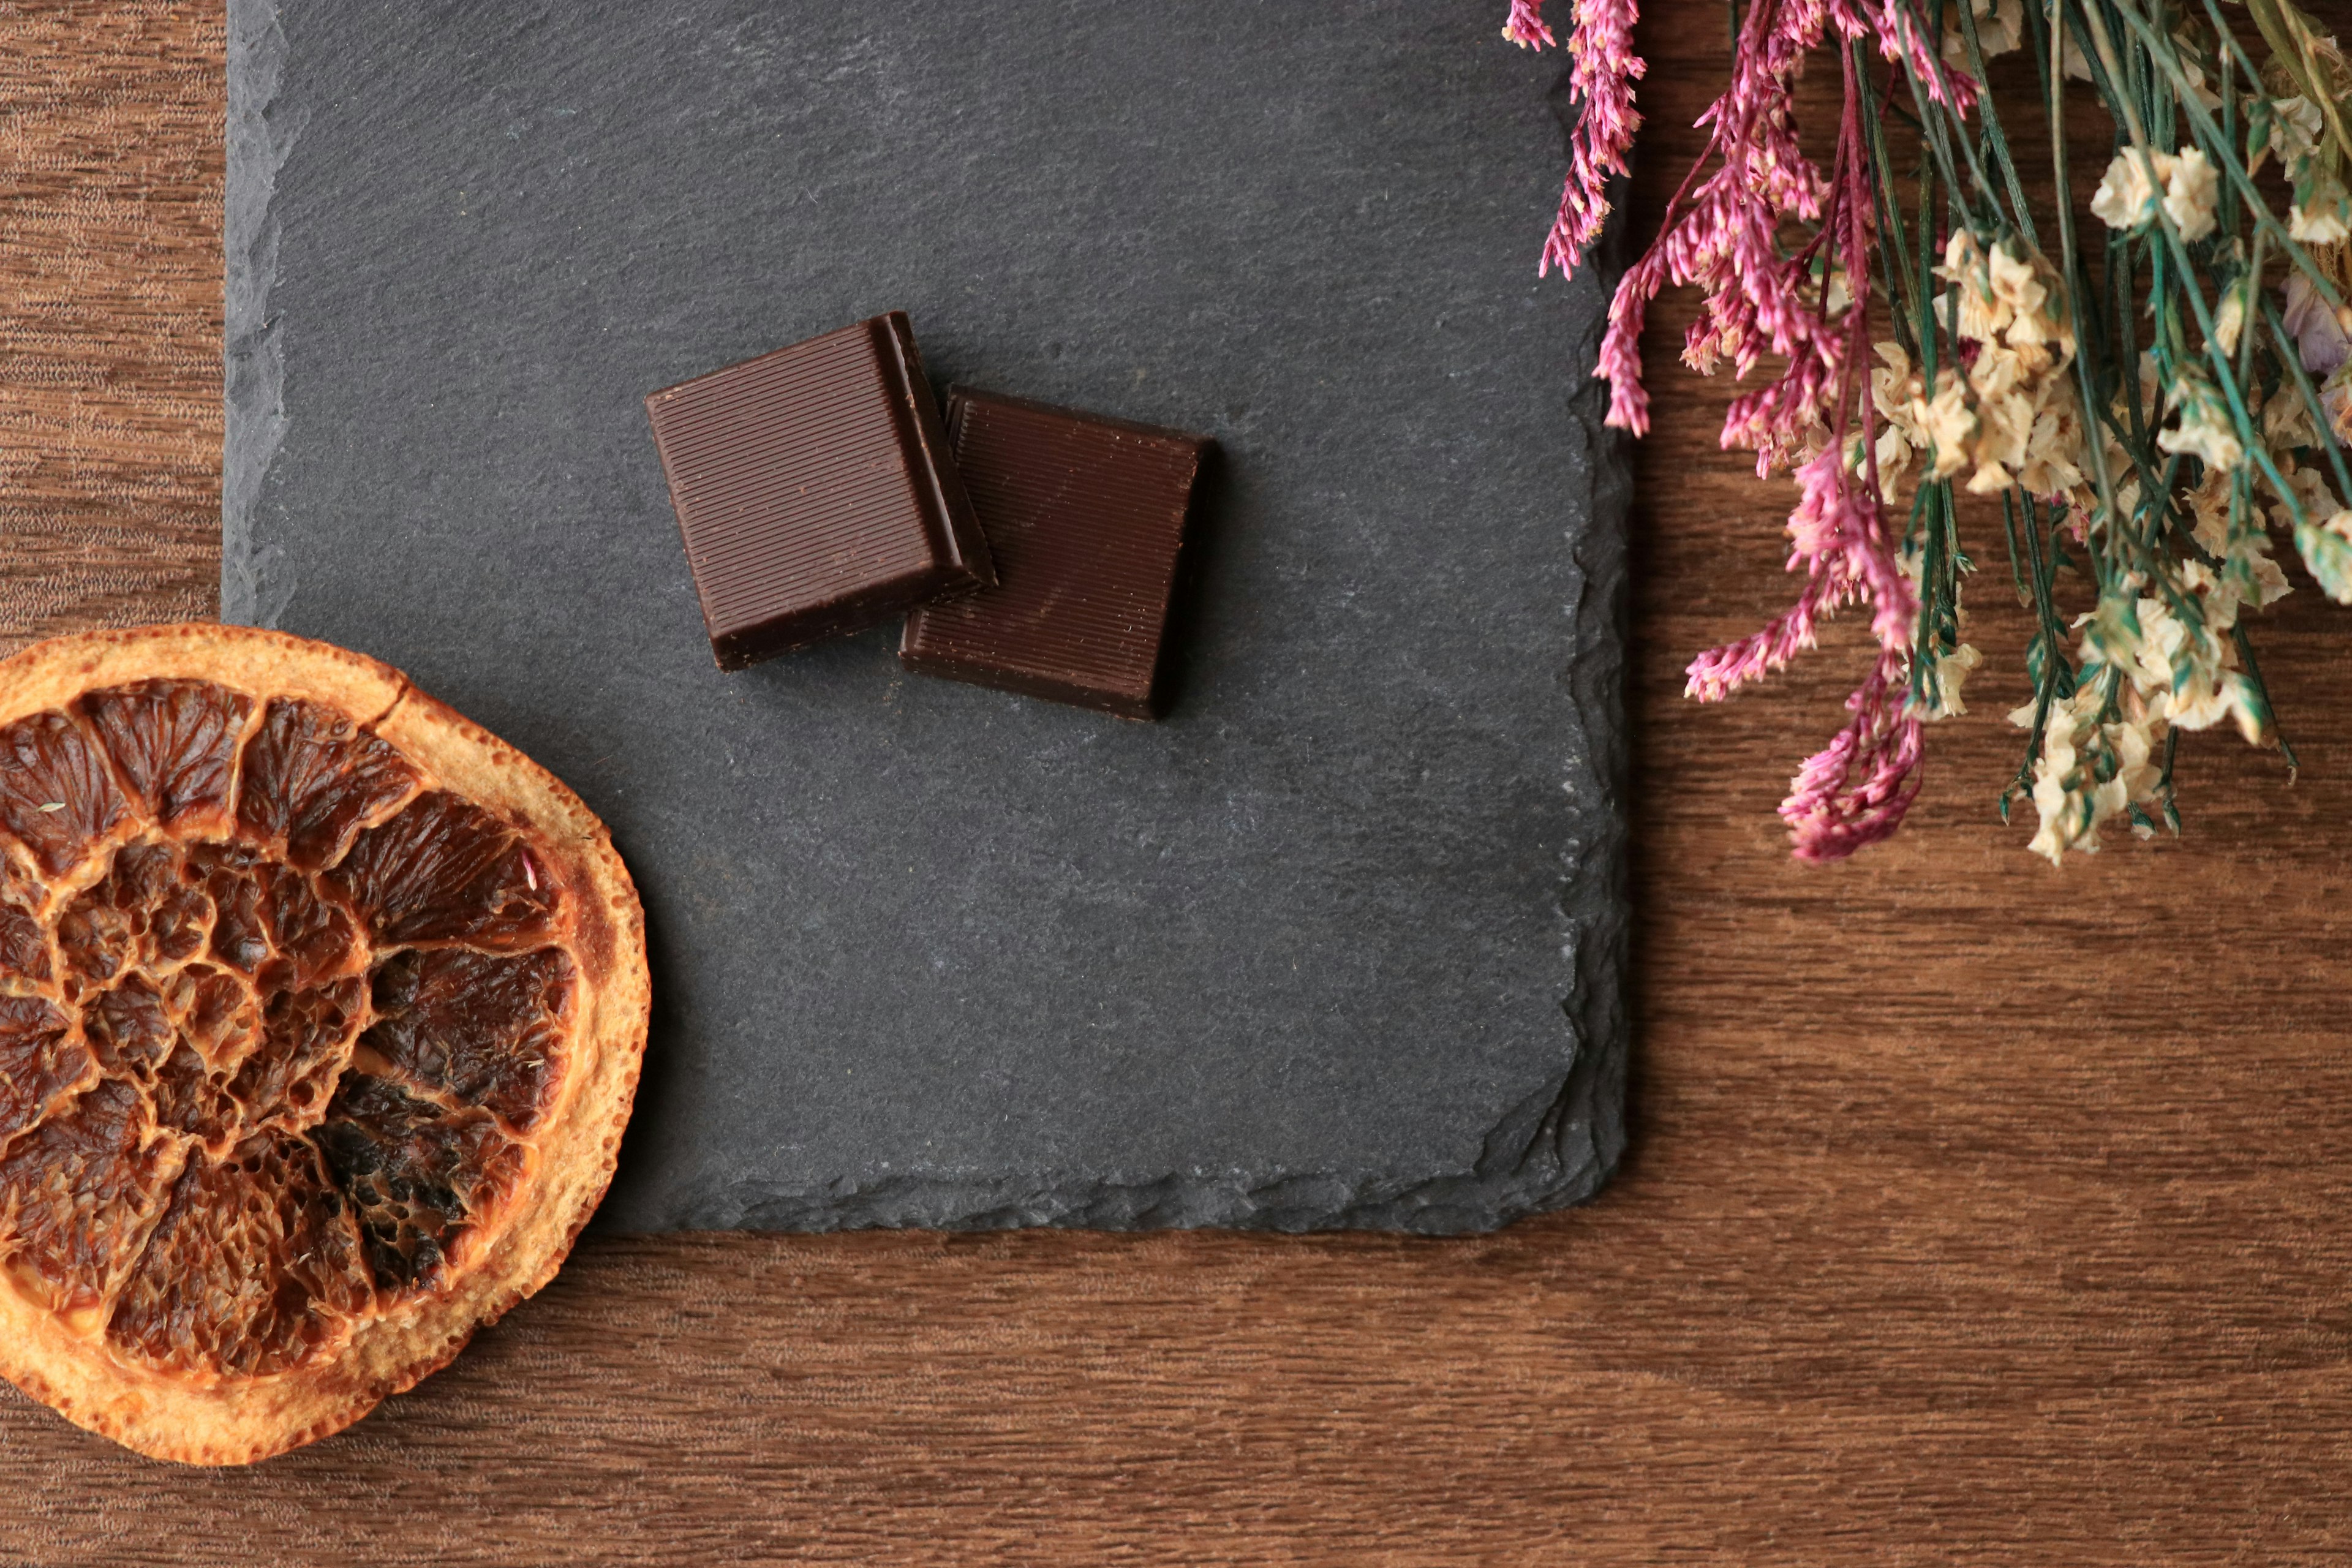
(2126, 196)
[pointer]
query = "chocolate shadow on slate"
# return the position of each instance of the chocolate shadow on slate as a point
(1337, 942)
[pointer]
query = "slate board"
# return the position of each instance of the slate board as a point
(1338, 942)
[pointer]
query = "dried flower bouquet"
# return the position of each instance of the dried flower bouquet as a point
(2145, 385)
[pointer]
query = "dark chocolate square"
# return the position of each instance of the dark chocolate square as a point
(813, 492)
(1085, 516)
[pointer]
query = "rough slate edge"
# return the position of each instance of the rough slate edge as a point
(253, 364)
(1555, 1149)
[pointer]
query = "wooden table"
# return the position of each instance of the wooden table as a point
(1978, 1212)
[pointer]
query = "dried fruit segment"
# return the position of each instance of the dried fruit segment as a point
(75, 1192)
(140, 913)
(175, 926)
(481, 1028)
(312, 776)
(129, 1028)
(230, 877)
(24, 947)
(215, 1013)
(445, 870)
(191, 1097)
(216, 875)
(172, 741)
(37, 1061)
(306, 1038)
(415, 1171)
(314, 939)
(55, 793)
(254, 1267)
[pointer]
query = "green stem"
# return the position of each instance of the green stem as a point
(1992, 126)
(2055, 76)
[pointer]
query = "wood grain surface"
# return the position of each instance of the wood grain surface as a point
(1979, 1213)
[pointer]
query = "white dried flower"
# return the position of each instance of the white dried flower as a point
(2287, 421)
(2197, 88)
(2013, 279)
(2201, 435)
(2214, 695)
(2206, 431)
(1948, 422)
(1951, 671)
(1997, 372)
(2326, 549)
(2323, 536)
(1983, 313)
(1895, 384)
(2208, 507)
(1894, 451)
(2295, 125)
(2070, 802)
(2067, 820)
(2191, 189)
(2270, 577)
(2325, 218)
(2311, 494)
(2321, 225)
(2134, 744)
(2230, 321)
(2126, 196)
(2051, 448)
(2004, 425)
(2001, 27)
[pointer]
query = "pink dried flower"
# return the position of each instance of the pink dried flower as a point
(1854, 791)
(1526, 27)
(1720, 671)
(1721, 231)
(1809, 308)
(1600, 45)
(1781, 247)
(1900, 39)
(1620, 363)
(1838, 537)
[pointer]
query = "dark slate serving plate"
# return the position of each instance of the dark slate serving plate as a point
(1339, 942)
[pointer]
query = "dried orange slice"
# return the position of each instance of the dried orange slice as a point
(321, 1012)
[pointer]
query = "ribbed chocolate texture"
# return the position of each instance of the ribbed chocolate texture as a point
(1084, 517)
(814, 491)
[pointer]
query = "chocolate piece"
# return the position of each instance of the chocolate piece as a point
(1085, 516)
(814, 491)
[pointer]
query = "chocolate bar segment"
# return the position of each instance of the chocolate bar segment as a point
(814, 491)
(1084, 517)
